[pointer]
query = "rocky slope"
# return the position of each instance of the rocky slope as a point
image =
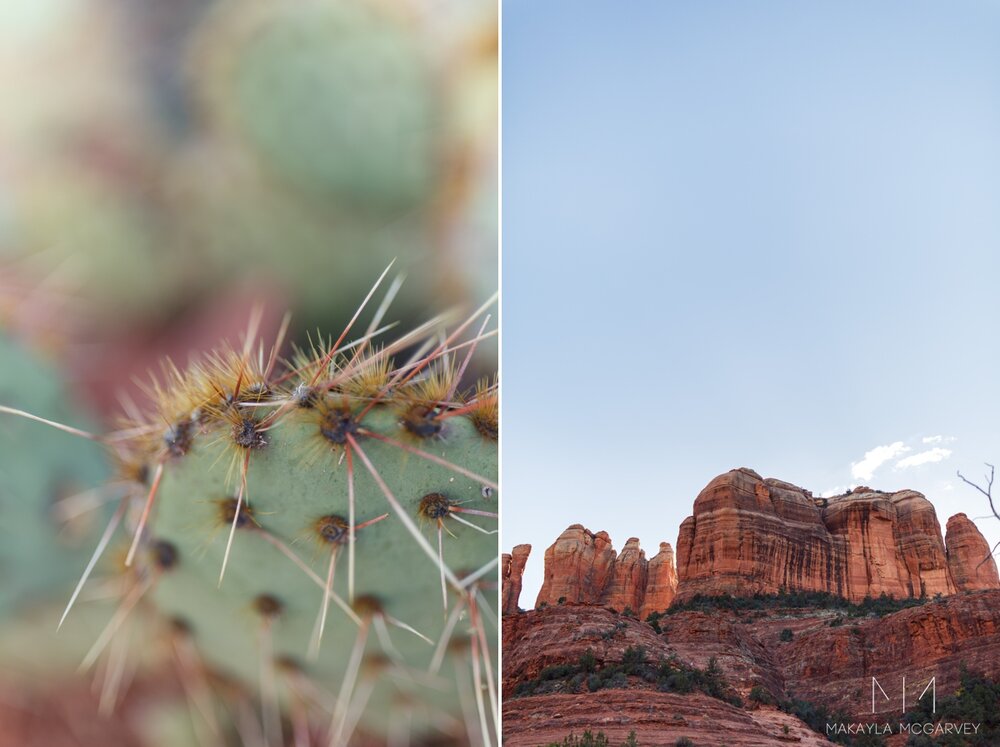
(656, 718)
(561, 635)
(829, 660)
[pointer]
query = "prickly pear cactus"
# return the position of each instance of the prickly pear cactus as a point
(335, 98)
(325, 534)
(45, 525)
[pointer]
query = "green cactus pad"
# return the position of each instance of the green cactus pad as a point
(245, 469)
(288, 493)
(40, 555)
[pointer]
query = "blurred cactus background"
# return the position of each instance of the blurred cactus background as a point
(168, 163)
(166, 167)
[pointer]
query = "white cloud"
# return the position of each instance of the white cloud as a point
(865, 469)
(937, 454)
(938, 439)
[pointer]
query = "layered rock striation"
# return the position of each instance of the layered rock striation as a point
(826, 662)
(750, 535)
(582, 567)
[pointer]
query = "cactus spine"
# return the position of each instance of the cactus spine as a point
(323, 533)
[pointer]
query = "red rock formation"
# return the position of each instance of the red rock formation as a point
(824, 664)
(969, 559)
(751, 535)
(578, 567)
(511, 571)
(626, 588)
(830, 664)
(583, 568)
(561, 635)
(656, 718)
(921, 546)
(661, 584)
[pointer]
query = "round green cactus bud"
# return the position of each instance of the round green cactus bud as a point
(334, 98)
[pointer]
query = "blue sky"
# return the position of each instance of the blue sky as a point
(745, 234)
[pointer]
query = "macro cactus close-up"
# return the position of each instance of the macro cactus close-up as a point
(249, 408)
(320, 532)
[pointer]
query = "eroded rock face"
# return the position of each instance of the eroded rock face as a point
(750, 535)
(582, 567)
(578, 567)
(661, 583)
(511, 573)
(921, 546)
(969, 560)
(626, 588)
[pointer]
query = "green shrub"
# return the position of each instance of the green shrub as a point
(633, 658)
(591, 740)
(653, 619)
(760, 694)
(587, 740)
(975, 701)
(786, 634)
(869, 606)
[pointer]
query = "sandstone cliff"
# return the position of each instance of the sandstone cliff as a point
(578, 566)
(661, 583)
(751, 535)
(582, 567)
(511, 572)
(969, 559)
(627, 585)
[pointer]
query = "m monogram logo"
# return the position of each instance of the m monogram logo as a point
(931, 685)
